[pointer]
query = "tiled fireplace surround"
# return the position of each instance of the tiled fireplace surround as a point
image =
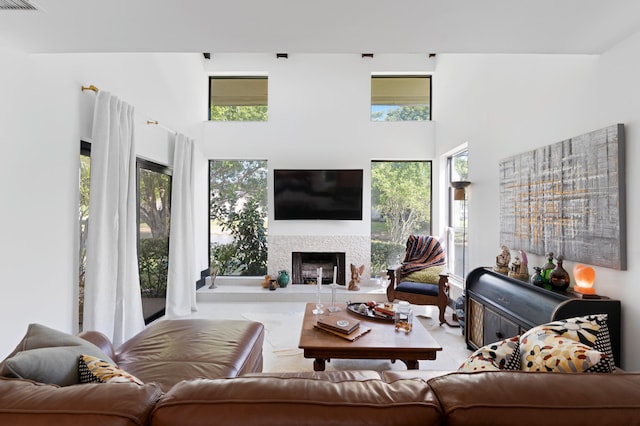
(357, 250)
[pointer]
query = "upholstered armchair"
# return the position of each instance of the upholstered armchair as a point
(421, 279)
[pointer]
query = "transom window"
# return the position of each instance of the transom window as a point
(238, 98)
(400, 98)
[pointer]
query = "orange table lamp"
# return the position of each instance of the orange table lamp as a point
(585, 277)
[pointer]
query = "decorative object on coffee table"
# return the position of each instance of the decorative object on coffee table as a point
(403, 317)
(334, 307)
(318, 310)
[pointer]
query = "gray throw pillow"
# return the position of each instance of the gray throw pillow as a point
(49, 356)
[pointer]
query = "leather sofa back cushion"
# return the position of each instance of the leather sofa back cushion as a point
(295, 401)
(23, 402)
(505, 398)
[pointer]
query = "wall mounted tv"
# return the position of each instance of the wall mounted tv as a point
(317, 194)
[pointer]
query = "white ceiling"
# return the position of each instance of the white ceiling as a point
(326, 26)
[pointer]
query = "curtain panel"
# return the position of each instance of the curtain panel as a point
(112, 301)
(183, 271)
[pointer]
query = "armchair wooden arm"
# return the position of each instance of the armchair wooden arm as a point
(419, 293)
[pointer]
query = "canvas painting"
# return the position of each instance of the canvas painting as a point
(569, 199)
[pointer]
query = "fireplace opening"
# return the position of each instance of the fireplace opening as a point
(304, 267)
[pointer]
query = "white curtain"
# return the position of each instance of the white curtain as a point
(112, 301)
(183, 272)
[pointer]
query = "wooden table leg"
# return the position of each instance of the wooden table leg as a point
(318, 364)
(412, 364)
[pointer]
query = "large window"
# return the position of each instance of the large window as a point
(400, 206)
(238, 98)
(238, 217)
(457, 250)
(400, 98)
(154, 214)
(154, 217)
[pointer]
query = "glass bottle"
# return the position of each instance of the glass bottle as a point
(559, 278)
(537, 278)
(403, 317)
(548, 267)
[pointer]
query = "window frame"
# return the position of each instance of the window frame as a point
(429, 95)
(236, 77)
(142, 163)
(451, 234)
(401, 244)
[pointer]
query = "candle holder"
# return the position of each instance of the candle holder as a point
(334, 307)
(318, 310)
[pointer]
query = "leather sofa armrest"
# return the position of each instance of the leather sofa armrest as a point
(101, 341)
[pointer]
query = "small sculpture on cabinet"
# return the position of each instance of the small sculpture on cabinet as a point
(519, 268)
(502, 261)
(356, 273)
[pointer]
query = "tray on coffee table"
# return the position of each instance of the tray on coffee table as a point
(368, 313)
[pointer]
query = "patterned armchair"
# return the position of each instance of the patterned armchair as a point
(421, 279)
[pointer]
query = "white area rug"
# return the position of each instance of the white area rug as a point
(282, 334)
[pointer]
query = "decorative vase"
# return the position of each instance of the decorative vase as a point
(283, 278)
(548, 267)
(537, 278)
(559, 278)
(267, 281)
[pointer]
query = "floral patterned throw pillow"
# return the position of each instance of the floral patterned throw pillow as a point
(580, 344)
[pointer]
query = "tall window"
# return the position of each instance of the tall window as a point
(154, 213)
(400, 98)
(457, 250)
(238, 217)
(238, 98)
(83, 220)
(400, 206)
(154, 217)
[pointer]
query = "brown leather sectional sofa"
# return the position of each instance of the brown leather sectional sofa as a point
(220, 383)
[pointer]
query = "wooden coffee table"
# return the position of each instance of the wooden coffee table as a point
(382, 342)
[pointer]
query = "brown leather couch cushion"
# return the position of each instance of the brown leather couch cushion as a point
(531, 398)
(298, 401)
(23, 402)
(174, 350)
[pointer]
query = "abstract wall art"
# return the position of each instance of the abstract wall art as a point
(568, 198)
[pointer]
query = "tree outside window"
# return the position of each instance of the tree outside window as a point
(400, 206)
(238, 217)
(154, 217)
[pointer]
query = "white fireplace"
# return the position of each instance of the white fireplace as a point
(356, 248)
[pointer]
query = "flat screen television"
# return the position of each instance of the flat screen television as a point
(317, 194)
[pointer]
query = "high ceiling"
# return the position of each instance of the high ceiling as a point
(327, 26)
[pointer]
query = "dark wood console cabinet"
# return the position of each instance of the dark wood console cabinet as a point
(498, 307)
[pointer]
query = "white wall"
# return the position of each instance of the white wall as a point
(507, 104)
(319, 117)
(44, 115)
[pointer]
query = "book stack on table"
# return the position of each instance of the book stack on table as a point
(384, 311)
(342, 326)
